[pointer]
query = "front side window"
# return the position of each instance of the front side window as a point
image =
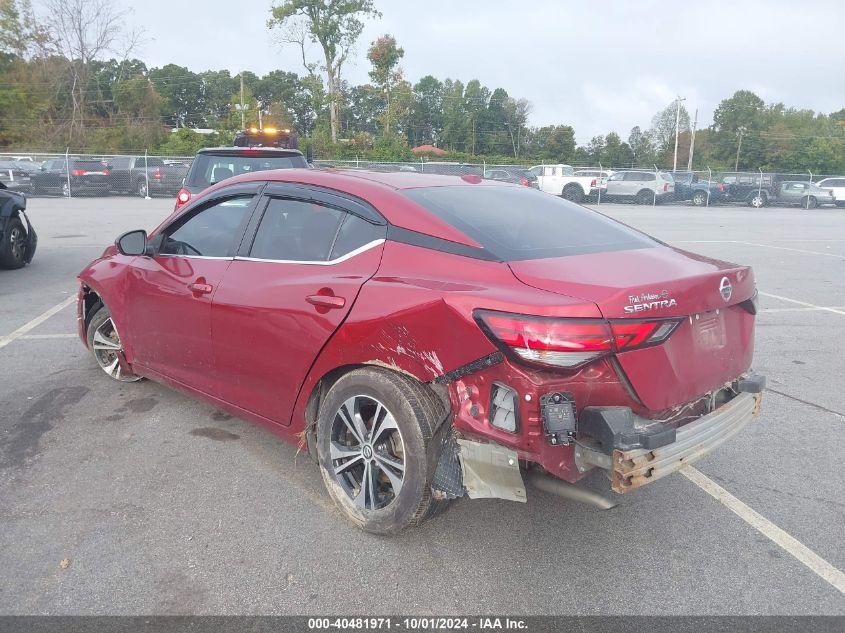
(209, 233)
(296, 230)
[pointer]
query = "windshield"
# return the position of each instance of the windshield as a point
(209, 169)
(516, 223)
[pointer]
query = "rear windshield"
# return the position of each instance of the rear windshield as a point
(516, 223)
(209, 169)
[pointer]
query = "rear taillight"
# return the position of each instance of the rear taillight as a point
(157, 174)
(562, 342)
(106, 172)
(77, 172)
(593, 182)
(720, 187)
(665, 186)
(524, 182)
(182, 198)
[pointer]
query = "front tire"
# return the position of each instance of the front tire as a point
(699, 199)
(104, 343)
(13, 250)
(810, 202)
(375, 449)
(141, 188)
(65, 190)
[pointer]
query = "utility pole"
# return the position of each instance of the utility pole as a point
(677, 125)
(243, 113)
(741, 131)
(387, 120)
(692, 141)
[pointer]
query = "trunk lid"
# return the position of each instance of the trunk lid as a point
(712, 345)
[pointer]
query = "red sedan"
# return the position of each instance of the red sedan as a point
(430, 337)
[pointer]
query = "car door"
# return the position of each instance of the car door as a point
(615, 184)
(168, 295)
(287, 292)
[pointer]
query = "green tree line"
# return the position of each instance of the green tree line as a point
(59, 90)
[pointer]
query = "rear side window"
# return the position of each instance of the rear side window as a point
(209, 169)
(296, 230)
(209, 233)
(516, 223)
(89, 165)
(355, 233)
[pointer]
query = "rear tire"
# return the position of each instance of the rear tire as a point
(699, 199)
(573, 193)
(13, 250)
(141, 188)
(758, 201)
(810, 202)
(645, 197)
(65, 190)
(376, 450)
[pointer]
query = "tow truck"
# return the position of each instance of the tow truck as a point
(253, 149)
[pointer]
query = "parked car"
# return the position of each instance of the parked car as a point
(215, 164)
(512, 174)
(802, 193)
(428, 337)
(17, 237)
(601, 175)
(145, 176)
(642, 187)
(749, 188)
(15, 176)
(87, 176)
(837, 186)
(560, 180)
(688, 186)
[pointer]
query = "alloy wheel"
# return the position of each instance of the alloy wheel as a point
(66, 190)
(107, 347)
(16, 241)
(142, 189)
(367, 452)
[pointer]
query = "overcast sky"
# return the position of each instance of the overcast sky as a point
(598, 66)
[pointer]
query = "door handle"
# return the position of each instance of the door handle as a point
(326, 301)
(200, 289)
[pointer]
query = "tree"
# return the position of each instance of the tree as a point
(554, 143)
(426, 117)
(20, 32)
(335, 25)
(663, 126)
(384, 55)
(516, 118)
(81, 31)
(642, 147)
(183, 97)
(742, 115)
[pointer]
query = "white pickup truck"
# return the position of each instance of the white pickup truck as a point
(561, 180)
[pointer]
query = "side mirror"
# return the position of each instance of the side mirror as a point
(132, 243)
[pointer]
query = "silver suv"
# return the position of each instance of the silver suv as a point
(643, 187)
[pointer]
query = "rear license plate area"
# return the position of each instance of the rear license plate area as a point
(709, 330)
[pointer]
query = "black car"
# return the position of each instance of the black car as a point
(86, 176)
(688, 186)
(145, 176)
(512, 174)
(750, 188)
(17, 237)
(215, 164)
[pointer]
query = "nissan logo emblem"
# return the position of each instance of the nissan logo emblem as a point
(725, 288)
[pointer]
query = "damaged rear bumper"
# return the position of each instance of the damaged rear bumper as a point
(630, 468)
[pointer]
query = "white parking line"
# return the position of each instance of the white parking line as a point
(804, 303)
(5, 340)
(795, 250)
(789, 544)
(33, 337)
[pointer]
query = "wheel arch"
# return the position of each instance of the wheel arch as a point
(321, 386)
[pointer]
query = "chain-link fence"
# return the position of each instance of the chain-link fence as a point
(145, 175)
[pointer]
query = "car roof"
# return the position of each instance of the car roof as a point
(249, 150)
(381, 190)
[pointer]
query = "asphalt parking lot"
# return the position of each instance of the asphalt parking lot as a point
(159, 504)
